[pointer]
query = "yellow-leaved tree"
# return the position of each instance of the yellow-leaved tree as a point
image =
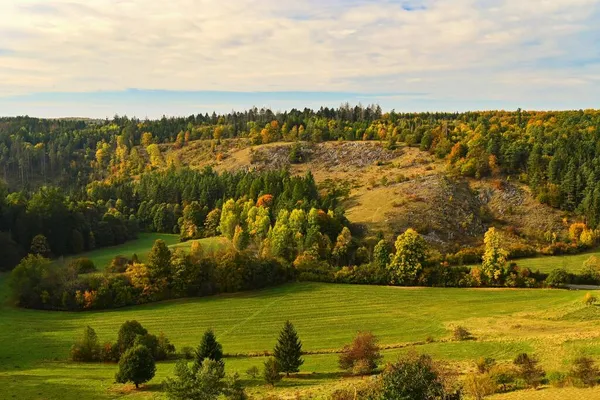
(494, 257)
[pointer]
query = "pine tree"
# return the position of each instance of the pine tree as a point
(288, 350)
(209, 348)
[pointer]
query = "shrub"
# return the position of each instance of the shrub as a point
(589, 299)
(529, 370)
(252, 372)
(136, 365)
(413, 377)
(503, 375)
(585, 372)
(271, 371)
(109, 352)
(82, 265)
(557, 277)
(87, 348)
(557, 379)
(164, 348)
(485, 364)
(479, 386)
(461, 333)
(200, 382)
(187, 352)
(118, 265)
(362, 355)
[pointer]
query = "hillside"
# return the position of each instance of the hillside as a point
(392, 190)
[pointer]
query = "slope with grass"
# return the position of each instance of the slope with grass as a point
(143, 244)
(553, 324)
(392, 189)
(140, 246)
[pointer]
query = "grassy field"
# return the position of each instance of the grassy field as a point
(572, 263)
(553, 324)
(141, 246)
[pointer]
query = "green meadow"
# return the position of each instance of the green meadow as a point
(142, 245)
(553, 324)
(572, 263)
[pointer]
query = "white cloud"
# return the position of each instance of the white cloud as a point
(459, 48)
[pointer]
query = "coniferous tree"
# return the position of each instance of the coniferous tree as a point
(209, 348)
(288, 350)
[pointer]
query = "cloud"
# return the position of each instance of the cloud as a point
(455, 50)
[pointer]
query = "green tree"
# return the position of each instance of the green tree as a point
(87, 347)
(281, 238)
(33, 280)
(211, 224)
(209, 348)
(159, 266)
(230, 218)
(494, 256)
(271, 371)
(413, 377)
(128, 333)
(381, 254)
(202, 383)
(40, 246)
(240, 239)
(288, 350)
(410, 256)
(136, 365)
(342, 245)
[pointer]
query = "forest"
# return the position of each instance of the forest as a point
(116, 181)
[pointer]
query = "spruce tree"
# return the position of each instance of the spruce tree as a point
(288, 350)
(208, 348)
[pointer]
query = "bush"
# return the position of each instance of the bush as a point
(82, 265)
(252, 372)
(479, 386)
(585, 372)
(503, 375)
(557, 379)
(589, 299)
(118, 265)
(362, 355)
(164, 349)
(87, 348)
(109, 352)
(271, 372)
(485, 364)
(461, 333)
(187, 352)
(201, 382)
(529, 370)
(413, 377)
(557, 277)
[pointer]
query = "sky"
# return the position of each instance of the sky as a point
(148, 58)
